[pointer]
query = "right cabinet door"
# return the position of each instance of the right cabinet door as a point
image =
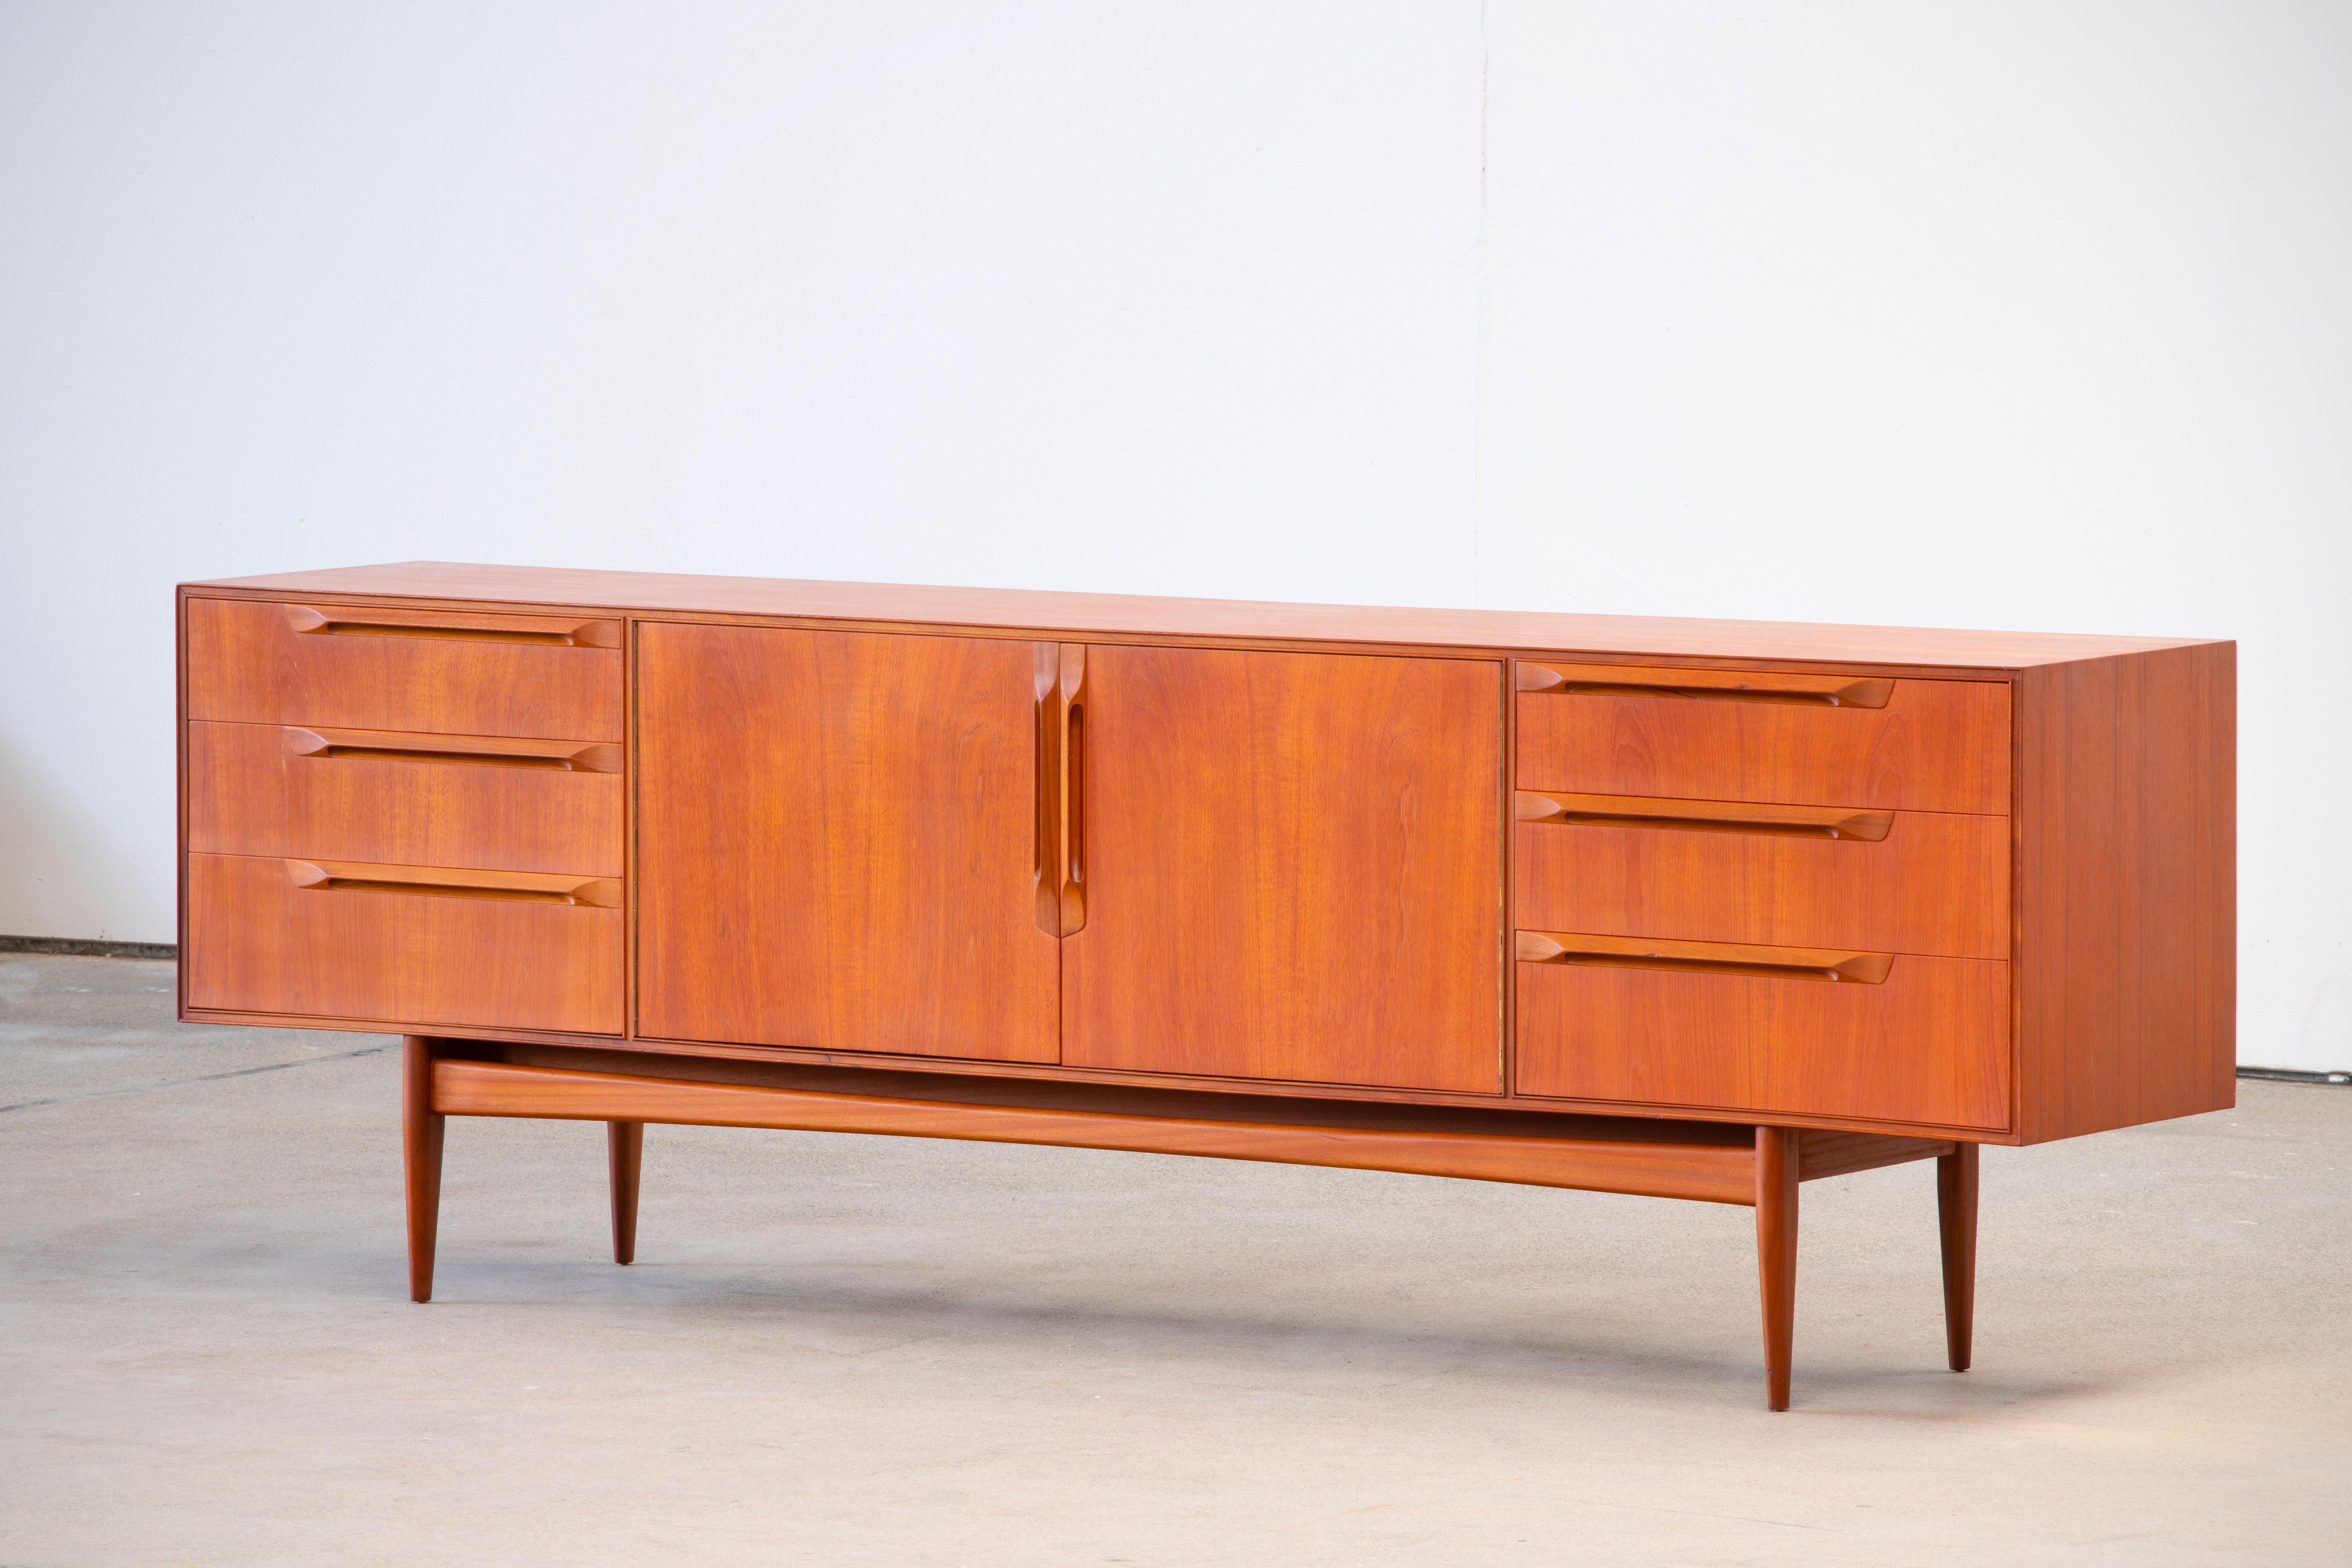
(1293, 869)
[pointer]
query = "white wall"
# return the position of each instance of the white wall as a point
(2006, 315)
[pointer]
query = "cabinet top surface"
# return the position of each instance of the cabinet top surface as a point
(657, 593)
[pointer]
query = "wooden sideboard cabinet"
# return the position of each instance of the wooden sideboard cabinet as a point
(1693, 908)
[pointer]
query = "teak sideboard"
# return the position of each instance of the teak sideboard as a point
(1693, 908)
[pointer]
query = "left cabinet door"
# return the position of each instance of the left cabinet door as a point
(837, 843)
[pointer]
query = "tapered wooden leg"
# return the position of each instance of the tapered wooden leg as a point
(624, 1143)
(420, 1142)
(1956, 1215)
(1775, 1254)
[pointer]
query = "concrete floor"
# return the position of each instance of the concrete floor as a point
(863, 1350)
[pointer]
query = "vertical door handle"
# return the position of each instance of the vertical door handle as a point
(1061, 677)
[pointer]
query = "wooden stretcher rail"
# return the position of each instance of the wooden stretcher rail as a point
(1660, 1160)
(1710, 1172)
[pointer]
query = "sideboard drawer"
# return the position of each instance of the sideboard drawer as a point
(492, 801)
(405, 945)
(1749, 1030)
(1893, 881)
(1917, 745)
(468, 672)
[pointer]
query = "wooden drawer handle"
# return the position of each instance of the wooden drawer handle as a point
(1706, 957)
(434, 881)
(454, 625)
(1704, 815)
(1716, 685)
(483, 750)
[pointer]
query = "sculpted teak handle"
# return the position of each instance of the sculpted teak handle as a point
(1719, 685)
(1702, 815)
(1061, 675)
(436, 881)
(457, 626)
(486, 751)
(1706, 957)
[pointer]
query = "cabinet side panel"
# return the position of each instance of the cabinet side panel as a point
(180, 792)
(2127, 890)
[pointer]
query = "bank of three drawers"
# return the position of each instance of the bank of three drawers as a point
(469, 764)
(1775, 893)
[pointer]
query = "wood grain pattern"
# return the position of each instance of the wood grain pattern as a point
(684, 1057)
(2127, 891)
(1295, 868)
(1937, 745)
(1073, 617)
(837, 843)
(1937, 883)
(1929, 1048)
(1779, 1155)
(1705, 1169)
(254, 789)
(907, 1078)
(249, 664)
(1826, 1154)
(258, 943)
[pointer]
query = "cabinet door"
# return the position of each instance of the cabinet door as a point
(837, 843)
(1293, 867)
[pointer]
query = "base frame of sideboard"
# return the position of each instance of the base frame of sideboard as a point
(1706, 1162)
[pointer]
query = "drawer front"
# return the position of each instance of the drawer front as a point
(404, 946)
(494, 802)
(1899, 881)
(459, 672)
(1926, 1044)
(1927, 745)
